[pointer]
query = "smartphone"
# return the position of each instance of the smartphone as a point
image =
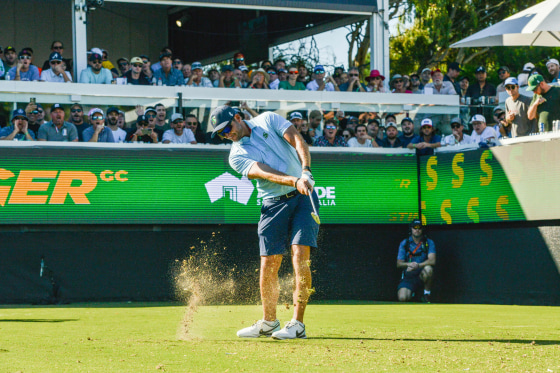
(32, 100)
(146, 131)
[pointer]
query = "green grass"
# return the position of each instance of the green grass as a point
(343, 337)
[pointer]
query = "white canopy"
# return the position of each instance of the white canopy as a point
(538, 25)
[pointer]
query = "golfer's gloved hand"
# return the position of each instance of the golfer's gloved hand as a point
(308, 177)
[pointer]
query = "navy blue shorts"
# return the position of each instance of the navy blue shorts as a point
(412, 280)
(287, 222)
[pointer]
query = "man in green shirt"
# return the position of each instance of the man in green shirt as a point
(292, 83)
(546, 102)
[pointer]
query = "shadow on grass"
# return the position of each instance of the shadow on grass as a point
(37, 320)
(518, 341)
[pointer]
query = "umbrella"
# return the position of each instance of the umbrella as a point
(535, 26)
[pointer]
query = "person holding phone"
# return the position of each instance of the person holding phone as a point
(97, 132)
(143, 132)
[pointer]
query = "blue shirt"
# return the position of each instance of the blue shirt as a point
(267, 145)
(106, 135)
(426, 151)
(175, 77)
(406, 140)
(29, 75)
(6, 131)
(89, 77)
(420, 255)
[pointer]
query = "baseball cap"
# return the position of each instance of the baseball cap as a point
(176, 116)
(454, 66)
(407, 119)
(534, 81)
(96, 50)
(435, 71)
(510, 81)
(456, 120)
(143, 56)
(96, 111)
(122, 59)
(56, 106)
(426, 122)
(480, 69)
(296, 115)
(416, 223)
(196, 65)
(552, 60)
(137, 60)
(390, 124)
(25, 52)
(427, 69)
(497, 108)
(148, 109)
(504, 68)
(112, 109)
(141, 118)
(163, 55)
(220, 118)
(318, 68)
(19, 113)
(55, 56)
(243, 68)
(478, 118)
(9, 48)
(226, 68)
(528, 67)
(95, 56)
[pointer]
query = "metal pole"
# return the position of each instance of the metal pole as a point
(79, 36)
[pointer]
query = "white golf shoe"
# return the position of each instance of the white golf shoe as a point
(293, 329)
(261, 328)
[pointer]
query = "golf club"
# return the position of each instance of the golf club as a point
(314, 214)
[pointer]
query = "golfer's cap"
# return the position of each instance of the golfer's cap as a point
(528, 67)
(95, 111)
(480, 69)
(148, 109)
(220, 118)
(426, 122)
(456, 120)
(511, 81)
(19, 113)
(296, 115)
(427, 69)
(534, 81)
(503, 68)
(415, 223)
(56, 106)
(196, 65)
(497, 109)
(407, 119)
(177, 116)
(55, 56)
(552, 60)
(112, 109)
(478, 118)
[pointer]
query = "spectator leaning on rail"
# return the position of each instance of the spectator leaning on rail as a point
(353, 84)
(77, 119)
(407, 127)
(362, 140)
(439, 86)
(58, 46)
(57, 129)
(57, 72)
(482, 134)
(10, 58)
(545, 106)
(98, 132)
(191, 122)
(517, 122)
(481, 88)
(135, 75)
(24, 70)
(143, 133)
(375, 82)
(392, 140)
(19, 130)
(112, 123)
(178, 134)
(329, 138)
(167, 75)
(197, 79)
(227, 79)
(457, 137)
(96, 73)
(292, 82)
(320, 83)
(427, 141)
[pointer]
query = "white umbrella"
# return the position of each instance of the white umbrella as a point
(538, 25)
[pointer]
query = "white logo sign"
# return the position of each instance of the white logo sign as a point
(228, 186)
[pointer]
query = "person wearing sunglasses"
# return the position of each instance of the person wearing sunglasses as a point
(57, 129)
(268, 148)
(97, 132)
(197, 78)
(330, 138)
(517, 106)
(375, 82)
(135, 75)
(457, 136)
(143, 132)
(95, 73)
(353, 84)
(439, 86)
(58, 46)
(10, 58)
(24, 69)
(123, 65)
(273, 81)
(416, 258)
(35, 115)
(397, 84)
(292, 83)
(178, 134)
(77, 119)
(56, 73)
(19, 130)
(238, 60)
(320, 83)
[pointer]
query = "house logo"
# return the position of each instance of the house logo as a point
(228, 186)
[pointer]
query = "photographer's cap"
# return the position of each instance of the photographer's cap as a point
(220, 118)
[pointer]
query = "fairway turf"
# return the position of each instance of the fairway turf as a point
(343, 337)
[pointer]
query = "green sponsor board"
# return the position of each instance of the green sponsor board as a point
(466, 187)
(50, 185)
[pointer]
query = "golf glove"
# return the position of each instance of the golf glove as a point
(308, 177)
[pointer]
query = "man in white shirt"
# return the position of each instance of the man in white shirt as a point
(481, 133)
(113, 124)
(197, 79)
(457, 137)
(320, 83)
(362, 139)
(178, 134)
(438, 86)
(56, 73)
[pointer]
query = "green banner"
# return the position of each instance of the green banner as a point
(50, 185)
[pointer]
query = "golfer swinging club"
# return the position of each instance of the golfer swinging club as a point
(270, 149)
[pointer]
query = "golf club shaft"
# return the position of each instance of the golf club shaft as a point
(312, 202)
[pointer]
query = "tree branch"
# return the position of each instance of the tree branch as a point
(474, 55)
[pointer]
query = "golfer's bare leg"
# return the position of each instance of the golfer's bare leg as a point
(269, 285)
(302, 272)
(426, 276)
(404, 295)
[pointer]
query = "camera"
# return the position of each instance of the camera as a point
(146, 131)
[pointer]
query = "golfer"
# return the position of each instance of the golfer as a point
(270, 149)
